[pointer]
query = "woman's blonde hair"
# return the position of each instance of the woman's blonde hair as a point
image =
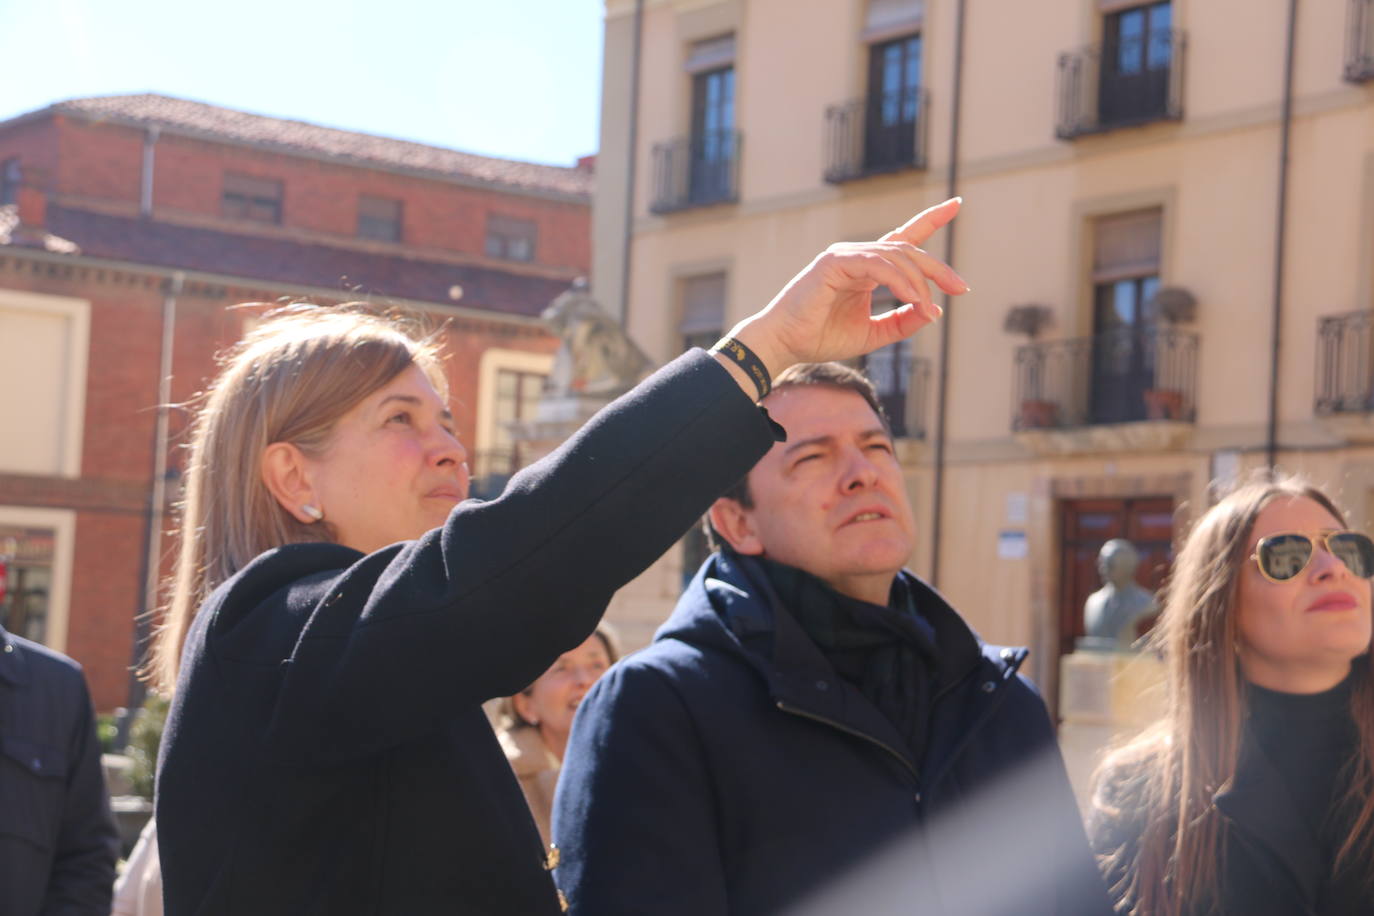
(508, 719)
(1176, 768)
(289, 379)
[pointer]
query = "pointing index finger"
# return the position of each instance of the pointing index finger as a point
(924, 224)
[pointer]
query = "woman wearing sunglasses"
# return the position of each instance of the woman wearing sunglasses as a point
(1253, 794)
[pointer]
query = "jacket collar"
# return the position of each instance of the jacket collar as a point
(743, 612)
(14, 670)
(1260, 807)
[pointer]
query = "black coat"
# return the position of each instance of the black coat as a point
(326, 751)
(58, 842)
(705, 776)
(1272, 864)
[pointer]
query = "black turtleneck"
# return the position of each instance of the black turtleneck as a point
(1311, 740)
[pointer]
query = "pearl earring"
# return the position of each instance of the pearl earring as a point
(315, 514)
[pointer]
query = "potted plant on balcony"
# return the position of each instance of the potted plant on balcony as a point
(1172, 305)
(1035, 412)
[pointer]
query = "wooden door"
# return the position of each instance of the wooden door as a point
(1087, 524)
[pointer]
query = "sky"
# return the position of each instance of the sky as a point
(519, 79)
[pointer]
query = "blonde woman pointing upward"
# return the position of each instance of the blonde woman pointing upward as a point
(341, 613)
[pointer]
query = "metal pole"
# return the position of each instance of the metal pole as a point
(626, 246)
(942, 379)
(1280, 242)
(152, 557)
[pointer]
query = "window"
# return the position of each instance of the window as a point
(1137, 50)
(1126, 252)
(890, 369)
(36, 547)
(702, 168)
(509, 238)
(44, 347)
(9, 181)
(711, 176)
(379, 218)
(516, 396)
(703, 311)
(27, 557)
(894, 88)
(256, 199)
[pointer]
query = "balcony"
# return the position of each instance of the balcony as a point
(1107, 390)
(1359, 41)
(696, 171)
(1345, 364)
(1141, 82)
(877, 135)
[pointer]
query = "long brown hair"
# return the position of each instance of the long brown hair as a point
(289, 379)
(1178, 765)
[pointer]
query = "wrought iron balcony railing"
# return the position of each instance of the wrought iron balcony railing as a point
(903, 386)
(885, 132)
(1345, 363)
(696, 171)
(1359, 41)
(1121, 376)
(1139, 81)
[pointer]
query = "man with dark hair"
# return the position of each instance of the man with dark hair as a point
(58, 843)
(815, 729)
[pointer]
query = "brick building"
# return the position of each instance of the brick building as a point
(128, 227)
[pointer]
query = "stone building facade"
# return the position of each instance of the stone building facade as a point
(1168, 231)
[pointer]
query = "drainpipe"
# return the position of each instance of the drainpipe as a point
(942, 381)
(630, 168)
(1280, 240)
(152, 556)
(145, 199)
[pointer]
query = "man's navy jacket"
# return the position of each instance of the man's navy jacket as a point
(57, 839)
(727, 768)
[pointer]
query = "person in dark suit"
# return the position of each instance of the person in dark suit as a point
(341, 612)
(58, 842)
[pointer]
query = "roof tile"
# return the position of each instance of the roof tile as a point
(290, 262)
(312, 139)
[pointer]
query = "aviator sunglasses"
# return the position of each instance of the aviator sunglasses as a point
(1280, 557)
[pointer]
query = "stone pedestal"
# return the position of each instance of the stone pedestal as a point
(1105, 697)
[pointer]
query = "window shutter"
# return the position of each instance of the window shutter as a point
(711, 54)
(892, 19)
(703, 305)
(1126, 245)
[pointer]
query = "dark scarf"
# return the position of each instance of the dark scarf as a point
(888, 653)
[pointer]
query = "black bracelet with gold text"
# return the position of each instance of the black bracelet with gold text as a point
(749, 361)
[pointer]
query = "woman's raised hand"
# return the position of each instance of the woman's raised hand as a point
(825, 312)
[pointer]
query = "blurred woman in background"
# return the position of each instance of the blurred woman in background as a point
(535, 723)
